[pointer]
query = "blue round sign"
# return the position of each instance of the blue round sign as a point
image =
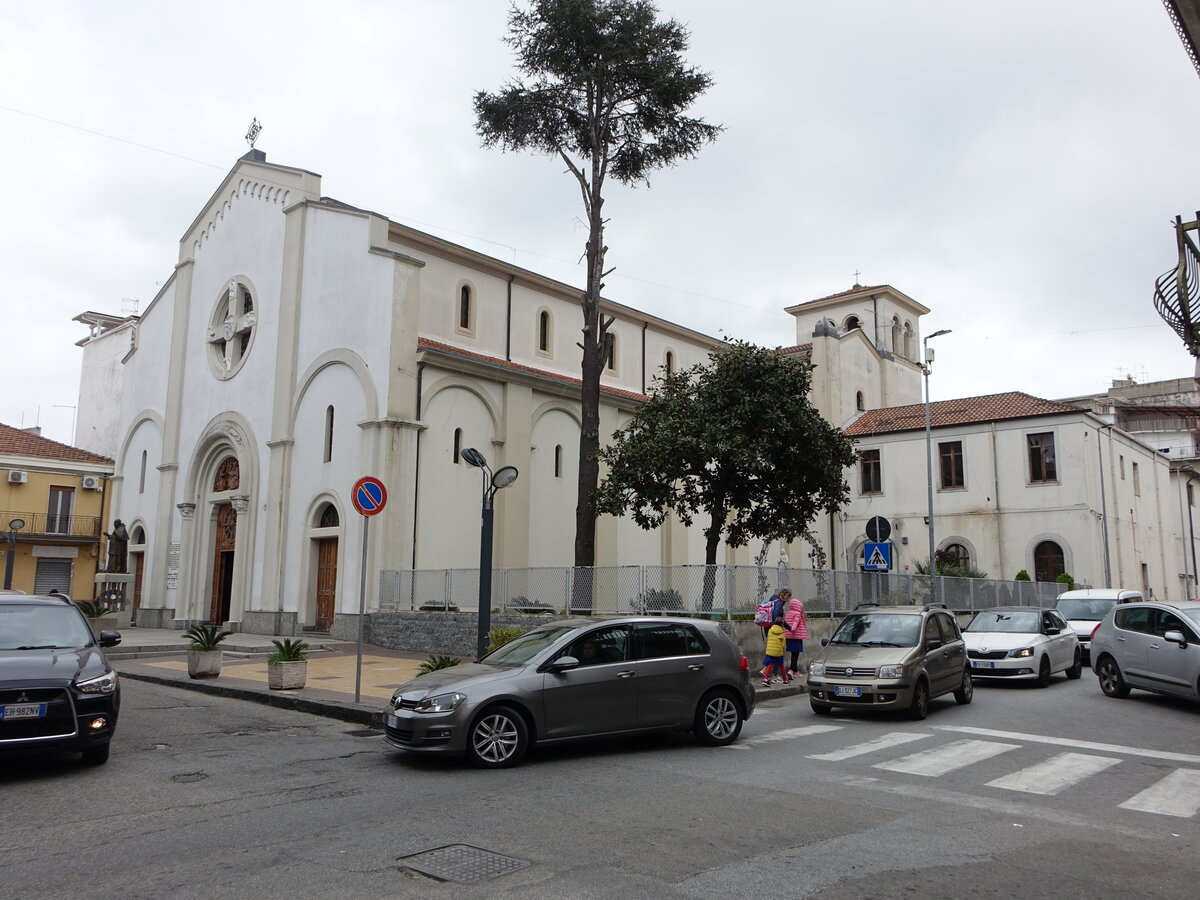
(369, 496)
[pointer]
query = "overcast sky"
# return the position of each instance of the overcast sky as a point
(1014, 166)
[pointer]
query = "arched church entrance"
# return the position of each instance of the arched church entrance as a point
(223, 559)
(137, 556)
(327, 557)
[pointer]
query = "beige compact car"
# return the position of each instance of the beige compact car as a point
(891, 657)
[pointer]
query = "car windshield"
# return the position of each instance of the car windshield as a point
(1193, 614)
(878, 630)
(1007, 622)
(42, 627)
(521, 650)
(1088, 610)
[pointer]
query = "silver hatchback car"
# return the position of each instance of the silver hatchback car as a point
(1154, 646)
(575, 679)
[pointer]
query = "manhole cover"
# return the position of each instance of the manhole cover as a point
(462, 863)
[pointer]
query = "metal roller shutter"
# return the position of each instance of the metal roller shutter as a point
(52, 574)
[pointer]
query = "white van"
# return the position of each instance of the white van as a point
(1084, 609)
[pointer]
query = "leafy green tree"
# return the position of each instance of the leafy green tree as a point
(735, 439)
(605, 91)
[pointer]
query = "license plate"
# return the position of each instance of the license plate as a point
(982, 664)
(23, 711)
(845, 690)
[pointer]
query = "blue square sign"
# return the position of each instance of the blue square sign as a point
(877, 556)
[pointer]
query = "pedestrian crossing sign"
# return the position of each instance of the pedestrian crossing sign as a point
(877, 556)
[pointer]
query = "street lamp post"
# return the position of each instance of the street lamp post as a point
(492, 482)
(933, 573)
(14, 525)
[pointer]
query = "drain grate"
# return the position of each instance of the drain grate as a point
(462, 863)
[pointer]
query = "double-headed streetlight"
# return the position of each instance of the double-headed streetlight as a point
(10, 536)
(492, 482)
(928, 358)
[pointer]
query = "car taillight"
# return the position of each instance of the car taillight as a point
(1094, 630)
(744, 665)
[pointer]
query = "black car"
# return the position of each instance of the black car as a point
(57, 691)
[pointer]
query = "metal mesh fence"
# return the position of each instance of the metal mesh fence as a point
(716, 591)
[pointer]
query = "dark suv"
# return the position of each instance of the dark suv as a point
(57, 691)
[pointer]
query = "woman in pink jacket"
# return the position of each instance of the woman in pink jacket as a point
(795, 631)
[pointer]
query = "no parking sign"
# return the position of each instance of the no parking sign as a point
(369, 495)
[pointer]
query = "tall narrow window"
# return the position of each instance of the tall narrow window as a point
(896, 345)
(58, 511)
(1137, 481)
(611, 362)
(951, 455)
(1042, 468)
(457, 445)
(1122, 458)
(908, 340)
(869, 470)
(558, 461)
(544, 331)
(670, 363)
(328, 433)
(860, 402)
(142, 476)
(464, 308)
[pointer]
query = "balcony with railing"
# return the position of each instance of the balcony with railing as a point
(47, 526)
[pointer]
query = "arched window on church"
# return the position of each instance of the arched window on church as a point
(228, 476)
(328, 433)
(860, 402)
(611, 360)
(1048, 562)
(558, 461)
(329, 517)
(851, 324)
(896, 340)
(142, 476)
(457, 445)
(669, 365)
(544, 331)
(908, 340)
(466, 310)
(956, 555)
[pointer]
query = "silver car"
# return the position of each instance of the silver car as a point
(575, 679)
(1154, 646)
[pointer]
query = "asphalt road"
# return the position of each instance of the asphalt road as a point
(212, 797)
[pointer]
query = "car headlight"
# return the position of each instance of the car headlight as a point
(896, 671)
(816, 669)
(1022, 653)
(105, 684)
(442, 703)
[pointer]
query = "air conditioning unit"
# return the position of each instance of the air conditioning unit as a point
(15, 476)
(91, 483)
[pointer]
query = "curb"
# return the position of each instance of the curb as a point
(347, 712)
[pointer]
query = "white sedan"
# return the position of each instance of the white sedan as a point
(1022, 642)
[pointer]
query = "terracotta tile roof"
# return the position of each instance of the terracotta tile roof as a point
(15, 442)
(798, 348)
(964, 411)
(426, 344)
(854, 290)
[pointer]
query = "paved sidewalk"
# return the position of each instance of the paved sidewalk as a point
(159, 655)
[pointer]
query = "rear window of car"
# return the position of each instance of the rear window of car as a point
(669, 639)
(1085, 610)
(27, 627)
(1136, 619)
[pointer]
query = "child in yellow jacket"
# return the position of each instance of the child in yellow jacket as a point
(776, 641)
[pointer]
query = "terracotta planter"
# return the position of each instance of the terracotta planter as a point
(204, 663)
(287, 676)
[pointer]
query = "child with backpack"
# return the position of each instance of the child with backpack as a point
(773, 656)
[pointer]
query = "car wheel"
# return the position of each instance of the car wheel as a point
(821, 709)
(718, 719)
(919, 708)
(97, 756)
(1043, 679)
(1111, 681)
(1077, 666)
(966, 690)
(498, 738)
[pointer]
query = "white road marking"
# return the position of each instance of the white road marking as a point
(1176, 795)
(891, 739)
(784, 735)
(1055, 774)
(945, 759)
(1165, 755)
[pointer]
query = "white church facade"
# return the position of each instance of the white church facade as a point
(301, 343)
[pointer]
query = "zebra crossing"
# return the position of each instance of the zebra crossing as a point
(957, 749)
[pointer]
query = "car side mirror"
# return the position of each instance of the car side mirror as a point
(1053, 630)
(563, 664)
(824, 642)
(109, 638)
(933, 644)
(1175, 637)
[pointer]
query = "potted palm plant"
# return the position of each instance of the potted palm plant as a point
(204, 653)
(287, 667)
(99, 616)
